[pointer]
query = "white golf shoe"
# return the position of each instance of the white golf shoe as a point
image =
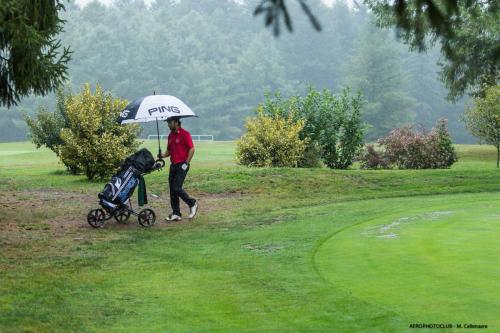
(193, 210)
(173, 217)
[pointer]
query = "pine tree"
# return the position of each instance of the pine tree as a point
(31, 60)
(377, 72)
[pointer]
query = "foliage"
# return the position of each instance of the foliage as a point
(274, 9)
(332, 124)
(442, 153)
(30, 59)
(45, 128)
(377, 71)
(413, 17)
(407, 148)
(483, 120)
(271, 141)
(215, 57)
(370, 158)
(94, 142)
(466, 30)
(276, 106)
(339, 128)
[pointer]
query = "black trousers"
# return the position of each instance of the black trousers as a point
(176, 178)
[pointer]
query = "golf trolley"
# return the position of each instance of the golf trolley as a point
(97, 217)
(115, 198)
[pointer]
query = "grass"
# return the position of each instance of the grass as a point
(273, 250)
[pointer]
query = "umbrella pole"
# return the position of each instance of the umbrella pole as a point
(158, 136)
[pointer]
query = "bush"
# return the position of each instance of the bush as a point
(340, 129)
(45, 128)
(271, 141)
(406, 148)
(373, 159)
(332, 125)
(442, 152)
(483, 118)
(93, 141)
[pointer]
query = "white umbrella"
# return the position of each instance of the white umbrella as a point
(154, 108)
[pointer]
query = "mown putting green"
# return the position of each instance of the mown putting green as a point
(431, 263)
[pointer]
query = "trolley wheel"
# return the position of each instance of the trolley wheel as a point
(96, 218)
(147, 217)
(122, 216)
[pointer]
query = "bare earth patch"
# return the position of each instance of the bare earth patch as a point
(54, 221)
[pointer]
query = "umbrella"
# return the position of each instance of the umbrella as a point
(154, 108)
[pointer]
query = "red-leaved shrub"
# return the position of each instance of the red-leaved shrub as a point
(407, 148)
(373, 159)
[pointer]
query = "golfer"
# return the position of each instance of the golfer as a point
(180, 148)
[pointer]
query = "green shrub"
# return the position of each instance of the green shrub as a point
(45, 128)
(271, 141)
(483, 118)
(93, 141)
(442, 153)
(332, 125)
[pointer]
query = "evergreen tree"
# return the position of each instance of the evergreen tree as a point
(31, 59)
(377, 72)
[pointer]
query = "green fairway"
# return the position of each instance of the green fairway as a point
(272, 250)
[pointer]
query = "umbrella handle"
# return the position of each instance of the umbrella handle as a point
(158, 136)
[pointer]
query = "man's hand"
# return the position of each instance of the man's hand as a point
(185, 166)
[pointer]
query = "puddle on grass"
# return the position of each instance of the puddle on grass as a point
(267, 248)
(388, 231)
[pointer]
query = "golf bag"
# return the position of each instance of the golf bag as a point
(122, 185)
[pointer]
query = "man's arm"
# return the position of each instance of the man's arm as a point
(165, 154)
(190, 155)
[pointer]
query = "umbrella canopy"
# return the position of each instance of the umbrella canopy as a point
(154, 107)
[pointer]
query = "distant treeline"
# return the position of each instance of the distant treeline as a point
(220, 60)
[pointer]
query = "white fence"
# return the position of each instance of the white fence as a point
(196, 137)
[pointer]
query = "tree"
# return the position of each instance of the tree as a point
(466, 30)
(483, 120)
(94, 142)
(46, 126)
(377, 72)
(412, 17)
(275, 9)
(31, 60)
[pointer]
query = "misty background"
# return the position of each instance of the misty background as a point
(220, 60)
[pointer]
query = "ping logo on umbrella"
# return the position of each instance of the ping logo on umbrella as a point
(162, 109)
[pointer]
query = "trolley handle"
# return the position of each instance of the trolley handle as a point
(159, 164)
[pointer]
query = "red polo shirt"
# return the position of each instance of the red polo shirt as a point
(178, 145)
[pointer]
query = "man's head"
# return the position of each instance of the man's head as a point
(174, 123)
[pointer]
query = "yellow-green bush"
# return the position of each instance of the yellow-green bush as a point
(271, 141)
(93, 141)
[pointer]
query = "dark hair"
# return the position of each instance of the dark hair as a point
(175, 119)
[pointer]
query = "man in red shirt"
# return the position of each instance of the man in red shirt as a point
(180, 148)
